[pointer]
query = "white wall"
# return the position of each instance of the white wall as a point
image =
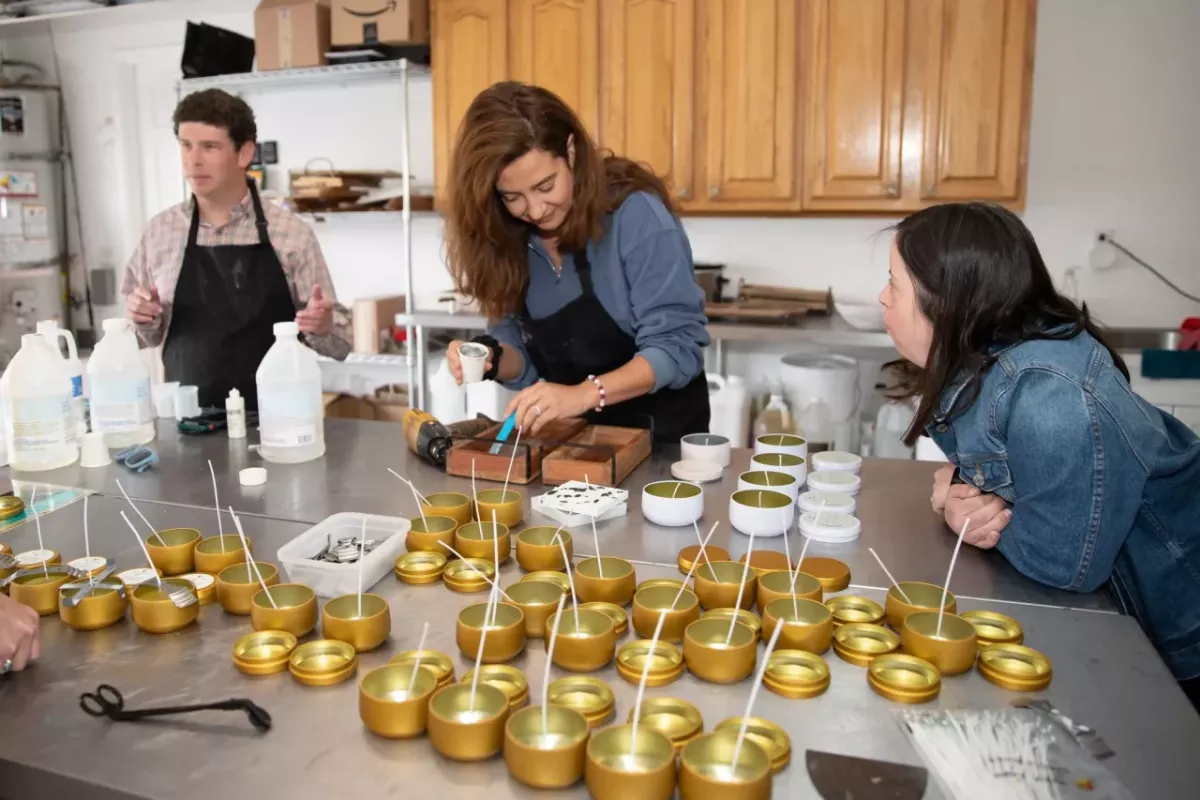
(1114, 146)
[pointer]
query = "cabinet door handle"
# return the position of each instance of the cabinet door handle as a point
(685, 193)
(931, 190)
(714, 191)
(893, 189)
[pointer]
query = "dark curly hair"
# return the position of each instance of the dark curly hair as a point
(221, 110)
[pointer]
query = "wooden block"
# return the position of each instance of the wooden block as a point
(601, 454)
(531, 453)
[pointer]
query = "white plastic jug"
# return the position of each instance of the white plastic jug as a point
(291, 418)
(120, 388)
(49, 328)
(39, 430)
(729, 409)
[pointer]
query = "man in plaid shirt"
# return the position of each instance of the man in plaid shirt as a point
(212, 275)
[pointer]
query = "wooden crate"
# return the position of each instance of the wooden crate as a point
(601, 454)
(529, 458)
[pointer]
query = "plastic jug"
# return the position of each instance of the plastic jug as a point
(119, 385)
(775, 418)
(39, 429)
(291, 417)
(730, 409)
(447, 400)
(49, 328)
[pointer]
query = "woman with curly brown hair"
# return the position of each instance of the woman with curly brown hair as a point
(581, 267)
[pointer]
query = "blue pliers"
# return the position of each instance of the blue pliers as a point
(138, 458)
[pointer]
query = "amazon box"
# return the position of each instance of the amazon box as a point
(371, 22)
(291, 33)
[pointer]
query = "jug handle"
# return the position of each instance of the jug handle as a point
(70, 340)
(717, 380)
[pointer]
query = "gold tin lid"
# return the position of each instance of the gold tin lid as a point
(651, 583)
(666, 664)
(992, 627)
(849, 608)
(589, 696)
(860, 644)
(11, 506)
(833, 575)
(796, 674)
(421, 567)
(688, 556)
(323, 662)
(508, 679)
(137, 575)
(463, 575)
(263, 652)
(1015, 667)
(36, 558)
(904, 679)
(678, 720)
(748, 618)
(559, 579)
(435, 661)
(92, 565)
(764, 561)
(611, 610)
(204, 584)
(766, 734)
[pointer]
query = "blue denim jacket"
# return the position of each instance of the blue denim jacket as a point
(1104, 487)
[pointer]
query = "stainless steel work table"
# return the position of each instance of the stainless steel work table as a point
(352, 476)
(1107, 676)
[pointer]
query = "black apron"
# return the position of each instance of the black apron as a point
(581, 339)
(227, 301)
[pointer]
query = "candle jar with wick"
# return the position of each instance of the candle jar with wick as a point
(361, 621)
(237, 585)
(537, 601)
(466, 728)
(585, 645)
(455, 505)
(620, 766)
(103, 605)
(474, 540)
(440, 665)
(807, 624)
(605, 580)
(715, 656)
(392, 703)
(538, 550)
(778, 585)
(707, 768)
(504, 503)
(153, 611)
(716, 585)
(952, 649)
(428, 533)
(38, 588)
(290, 607)
(682, 608)
(505, 632)
(173, 551)
(908, 597)
(216, 553)
(546, 751)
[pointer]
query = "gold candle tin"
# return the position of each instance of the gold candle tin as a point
(654, 583)
(774, 586)
(860, 643)
(620, 767)
(474, 540)
(678, 720)
(613, 611)
(833, 575)
(173, 550)
(263, 652)
(537, 601)
(38, 590)
(807, 624)
(591, 697)
(796, 674)
(204, 584)
(748, 618)
(666, 662)
(462, 731)
(615, 587)
(1015, 667)
(709, 658)
(324, 662)
(953, 652)
(153, 611)
(341, 620)
(649, 604)
(773, 739)
(237, 585)
(992, 627)
(585, 647)
(507, 679)
(849, 608)
(391, 704)
(104, 606)
(924, 597)
(427, 534)
(537, 549)
(505, 503)
(766, 561)
(296, 612)
(718, 587)
(439, 665)
(559, 579)
(903, 678)
(216, 553)
(550, 756)
(463, 575)
(689, 554)
(505, 633)
(420, 567)
(706, 769)
(455, 505)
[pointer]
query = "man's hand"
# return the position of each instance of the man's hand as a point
(143, 305)
(19, 639)
(988, 514)
(316, 318)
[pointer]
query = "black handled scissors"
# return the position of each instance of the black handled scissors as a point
(106, 701)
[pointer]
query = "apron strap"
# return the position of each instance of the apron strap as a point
(583, 268)
(194, 227)
(260, 219)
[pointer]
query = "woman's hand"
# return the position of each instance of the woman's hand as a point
(456, 362)
(988, 514)
(19, 639)
(941, 487)
(544, 402)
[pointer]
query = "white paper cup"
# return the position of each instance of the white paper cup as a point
(92, 451)
(164, 399)
(473, 357)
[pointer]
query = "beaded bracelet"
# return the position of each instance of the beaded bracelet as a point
(603, 394)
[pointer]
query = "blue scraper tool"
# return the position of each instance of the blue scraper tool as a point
(505, 431)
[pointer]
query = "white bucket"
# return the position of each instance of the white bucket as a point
(824, 395)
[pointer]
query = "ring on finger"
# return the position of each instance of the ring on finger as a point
(537, 411)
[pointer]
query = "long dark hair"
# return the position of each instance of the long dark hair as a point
(485, 245)
(981, 281)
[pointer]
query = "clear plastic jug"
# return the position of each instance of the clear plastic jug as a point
(291, 417)
(121, 403)
(53, 333)
(35, 389)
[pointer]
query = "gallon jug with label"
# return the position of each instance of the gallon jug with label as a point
(291, 418)
(729, 405)
(49, 328)
(119, 385)
(39, 429)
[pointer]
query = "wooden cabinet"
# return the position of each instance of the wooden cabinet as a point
(555, 44)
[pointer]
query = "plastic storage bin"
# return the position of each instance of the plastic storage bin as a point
(335, 580)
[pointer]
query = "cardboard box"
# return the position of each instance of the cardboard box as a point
(384, 406)
(291, 33)
(370, 317)
(371, 22)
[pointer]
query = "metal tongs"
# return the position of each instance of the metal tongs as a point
(106, 701)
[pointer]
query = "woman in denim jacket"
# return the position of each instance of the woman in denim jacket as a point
(1075, 479)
